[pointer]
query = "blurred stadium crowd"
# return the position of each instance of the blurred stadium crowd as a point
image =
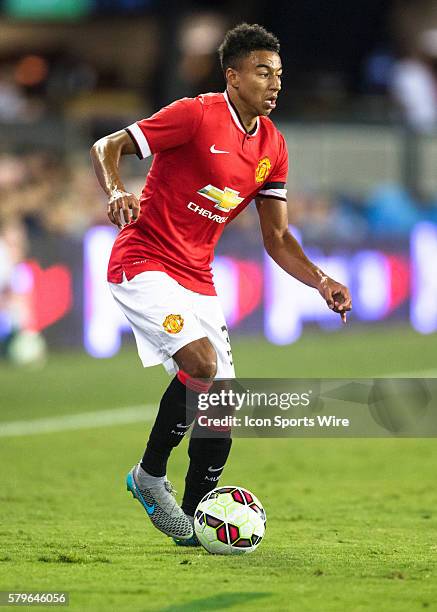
(373, 63)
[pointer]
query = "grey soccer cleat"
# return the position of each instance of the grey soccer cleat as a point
(161, 507)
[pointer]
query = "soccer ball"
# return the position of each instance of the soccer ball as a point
(230, 520)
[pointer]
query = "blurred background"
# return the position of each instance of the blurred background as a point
(358, 110)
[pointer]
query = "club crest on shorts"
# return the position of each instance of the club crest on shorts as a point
(173, 323)
(263, 169)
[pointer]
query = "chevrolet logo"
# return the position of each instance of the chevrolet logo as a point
(225, 200)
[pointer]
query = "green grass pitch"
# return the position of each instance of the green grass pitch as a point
(352, 524)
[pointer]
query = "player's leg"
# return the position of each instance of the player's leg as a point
(208, 451)
(209, 448)
(164, 324)
(197, 360)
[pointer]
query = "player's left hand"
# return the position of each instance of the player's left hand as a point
(336, 296)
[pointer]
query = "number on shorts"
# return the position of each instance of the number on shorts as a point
(226, 335)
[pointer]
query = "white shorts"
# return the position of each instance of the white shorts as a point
(165, 316)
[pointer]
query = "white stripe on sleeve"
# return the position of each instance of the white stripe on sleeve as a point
(281, 194)
(140, 139)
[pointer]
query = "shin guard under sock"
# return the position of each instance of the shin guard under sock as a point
(208, 456)
(171, 424)
(168, 430)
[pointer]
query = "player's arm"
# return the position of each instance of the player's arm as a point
(105, 155)
(284, 249)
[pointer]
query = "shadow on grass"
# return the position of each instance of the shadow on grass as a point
(72, 558)
(216, 602)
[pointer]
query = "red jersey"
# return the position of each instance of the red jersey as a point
(206, 169)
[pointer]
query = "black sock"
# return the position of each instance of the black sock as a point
(170, 426)
(208, 456)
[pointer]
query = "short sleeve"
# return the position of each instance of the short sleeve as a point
(171, 127)
(275, 185)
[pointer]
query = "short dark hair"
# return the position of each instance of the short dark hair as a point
(242, 40)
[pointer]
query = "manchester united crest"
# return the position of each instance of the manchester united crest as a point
(262, 170)
(173, 323)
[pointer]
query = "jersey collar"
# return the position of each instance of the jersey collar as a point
(236, 117)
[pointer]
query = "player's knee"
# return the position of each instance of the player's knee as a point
(204, 367)
(198, 359)
(203, 364)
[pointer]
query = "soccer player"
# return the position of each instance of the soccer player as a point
(213, 155)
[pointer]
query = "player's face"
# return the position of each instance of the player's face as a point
(258, 80)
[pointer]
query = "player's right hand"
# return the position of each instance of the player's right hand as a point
(123, 208)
